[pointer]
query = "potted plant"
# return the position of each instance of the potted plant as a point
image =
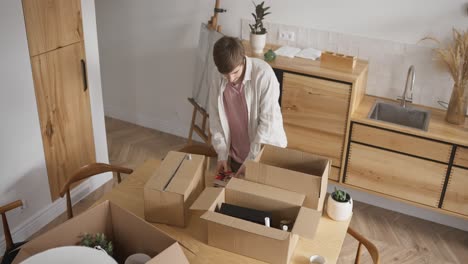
(339, 205)
(257, 31)
(98, 241)
(455, 57)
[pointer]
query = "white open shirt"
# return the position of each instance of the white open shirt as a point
(265, 121)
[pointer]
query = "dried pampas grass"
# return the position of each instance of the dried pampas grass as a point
(455, 56)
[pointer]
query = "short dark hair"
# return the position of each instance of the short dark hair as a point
(228, 53)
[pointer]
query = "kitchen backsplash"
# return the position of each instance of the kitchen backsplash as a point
(388, 61)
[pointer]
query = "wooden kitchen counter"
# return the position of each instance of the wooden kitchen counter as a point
(438, 128)
(310, 67)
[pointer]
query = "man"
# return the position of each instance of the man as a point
(243, 106)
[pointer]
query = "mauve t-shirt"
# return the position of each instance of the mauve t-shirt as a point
(235, 107)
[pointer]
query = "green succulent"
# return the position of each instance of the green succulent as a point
(260, 13)
(270, 55)
(340, 196)
(99, 239)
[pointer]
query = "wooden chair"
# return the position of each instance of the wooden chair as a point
(11, 249)
(202, 131)
(86, 172)
(373, 251)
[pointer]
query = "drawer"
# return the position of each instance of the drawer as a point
(456, 196)
(412, 145)
(461, 157)
(334, 174)
(398, 175)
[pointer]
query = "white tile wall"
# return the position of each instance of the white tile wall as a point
(388, 61)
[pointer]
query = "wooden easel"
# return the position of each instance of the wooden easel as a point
(203, 131)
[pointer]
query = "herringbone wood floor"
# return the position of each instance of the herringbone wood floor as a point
(400, 238)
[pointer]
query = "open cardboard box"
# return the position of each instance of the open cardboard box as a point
(173, 187)
(268, 244)
(128, 233)
(292, 170)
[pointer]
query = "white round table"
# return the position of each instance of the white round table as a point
(71, 255)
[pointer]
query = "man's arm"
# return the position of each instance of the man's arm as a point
(270, 121)
(218, 139)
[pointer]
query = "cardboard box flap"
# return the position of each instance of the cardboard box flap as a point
(91, 221)
(209, 199)
(185, 175)
(306, 222)
(244, 225)
(164, 173)
(295, 160)
(265, 191)
(173, 255)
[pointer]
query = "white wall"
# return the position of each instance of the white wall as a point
(24, 173)
(148, 53)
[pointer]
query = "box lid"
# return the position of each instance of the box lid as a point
(264, 191)
(209, 199)
(176, 172)
(306, 223)
(246, 226)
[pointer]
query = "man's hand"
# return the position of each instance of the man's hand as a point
(240, 172)
(222, 166)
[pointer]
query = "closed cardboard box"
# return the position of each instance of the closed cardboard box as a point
(173, 187)
(292, 170)
(128, 233)
(269, 244)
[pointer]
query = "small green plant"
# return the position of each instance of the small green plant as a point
(340, 196)
(99, 239)
(260, 13)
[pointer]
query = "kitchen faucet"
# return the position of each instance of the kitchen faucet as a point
(403, 97)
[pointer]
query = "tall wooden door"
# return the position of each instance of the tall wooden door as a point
(315, 112)
(64, 112)
(52, 24)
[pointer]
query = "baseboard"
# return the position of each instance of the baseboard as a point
(40, 219)
(143, 120)
(403, 208)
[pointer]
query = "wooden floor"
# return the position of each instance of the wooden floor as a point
(400, 238)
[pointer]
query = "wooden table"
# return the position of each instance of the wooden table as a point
(129, 194)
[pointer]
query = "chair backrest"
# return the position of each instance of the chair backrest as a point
(373, 251)
(86, 172)
(6, 228)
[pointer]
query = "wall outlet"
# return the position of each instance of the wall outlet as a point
(287, 35)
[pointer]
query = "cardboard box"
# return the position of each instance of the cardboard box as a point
(172, 188)
(257, 241)
(292, 170)
(129, 234)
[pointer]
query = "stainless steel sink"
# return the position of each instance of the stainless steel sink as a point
(405, 116)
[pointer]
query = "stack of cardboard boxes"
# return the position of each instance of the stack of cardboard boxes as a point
(289, 184)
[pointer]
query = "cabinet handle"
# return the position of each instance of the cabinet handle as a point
(85, 76)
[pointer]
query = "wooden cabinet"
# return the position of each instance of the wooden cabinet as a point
(51, 24)
(402, 176)
(64, 113)
(54, 32)
(315, 114)
(456, 195)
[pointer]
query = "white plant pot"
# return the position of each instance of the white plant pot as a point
(339, 211)
(257, 42)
